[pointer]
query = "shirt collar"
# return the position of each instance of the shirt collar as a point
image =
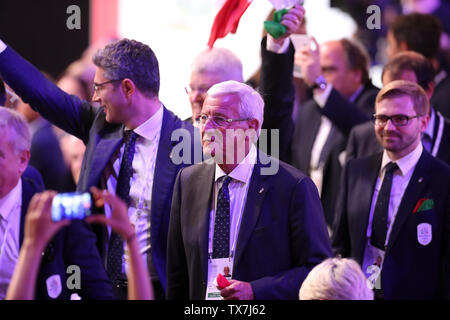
(8, 202)
(406, 163)
(430, 127)
(356, 94)
(243, 170)
(150, 128)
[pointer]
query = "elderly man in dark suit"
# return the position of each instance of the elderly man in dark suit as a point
(73, 245)
(241, 212)
(411, 66)
(128, 144)
(393, 211)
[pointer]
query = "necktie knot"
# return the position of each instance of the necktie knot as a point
(226, 181)
(391, 167)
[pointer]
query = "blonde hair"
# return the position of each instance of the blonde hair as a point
(399, 88)
(336, 279)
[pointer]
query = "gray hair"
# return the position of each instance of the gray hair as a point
(133, 60)
(220, 61)
(251, 104)
(336, 279)
(19, 132)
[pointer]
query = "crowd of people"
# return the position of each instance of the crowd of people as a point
(349, 201)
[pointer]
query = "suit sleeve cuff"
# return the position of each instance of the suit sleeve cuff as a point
(276, 47)
(321, 96)
(2, 46)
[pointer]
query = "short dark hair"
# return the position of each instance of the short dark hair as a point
(357, 57)
(2, 93)
(133, 60)
(420, 32)
(414, 61)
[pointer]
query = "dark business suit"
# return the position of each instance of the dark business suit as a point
(410, 270)
(47, 158)
(297, 140)
(72, 245)
(362, 141)
(102, 139)
(282, 234)
(441, 97)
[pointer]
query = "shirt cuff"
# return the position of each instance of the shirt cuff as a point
(277, 47)
(2, 46)
(321, 96)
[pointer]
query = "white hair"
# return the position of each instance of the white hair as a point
(336, 279)
(15, 124)
(220, 61)
(251, 104)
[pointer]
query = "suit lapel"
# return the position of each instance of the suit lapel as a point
(200, 210)
(104, 150)
(416, 186)
(164, 175)
(363, 199)
(257, 190)
(308, 128)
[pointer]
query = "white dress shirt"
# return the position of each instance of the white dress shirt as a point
(10, 210)
(238, 189)
(141, 183)
(400, 182)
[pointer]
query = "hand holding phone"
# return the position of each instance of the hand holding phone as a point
(71, 206)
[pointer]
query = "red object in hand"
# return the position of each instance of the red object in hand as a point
(227, 19)
(222, 282)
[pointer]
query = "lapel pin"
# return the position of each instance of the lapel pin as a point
(261, 191)
(420, 180)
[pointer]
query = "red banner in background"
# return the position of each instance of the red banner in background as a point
(227, 19)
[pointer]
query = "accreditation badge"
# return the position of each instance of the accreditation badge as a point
(223, 266)
(424, 233)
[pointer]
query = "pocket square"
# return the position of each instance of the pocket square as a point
(423, 205)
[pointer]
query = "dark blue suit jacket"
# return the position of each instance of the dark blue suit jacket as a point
(102, 139)
(282, 235)
(72, 245)
(410, 270)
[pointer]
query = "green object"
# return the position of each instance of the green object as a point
(274, 27)
(426, 205)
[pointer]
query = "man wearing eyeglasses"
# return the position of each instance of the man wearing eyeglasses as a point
(209, 67)
(394, 206)
(230, 215)
(128, 145)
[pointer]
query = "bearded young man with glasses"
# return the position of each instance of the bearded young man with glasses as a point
(231, 216)
(393, 213)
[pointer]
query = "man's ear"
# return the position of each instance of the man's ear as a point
(404, 46)
(128, 87)
(24, 159)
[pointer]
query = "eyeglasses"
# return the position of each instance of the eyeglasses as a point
(201, 90)
(97, 86)
(398, 120)
(217, 120)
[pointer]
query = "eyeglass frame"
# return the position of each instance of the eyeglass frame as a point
(391, 118)
(227, 121)
(201, 91)
(97, 86)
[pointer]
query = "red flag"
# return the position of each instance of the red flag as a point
(227, 19)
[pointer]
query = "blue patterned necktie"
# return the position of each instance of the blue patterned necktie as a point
(221, 239)
(380, 215)
(115, 251)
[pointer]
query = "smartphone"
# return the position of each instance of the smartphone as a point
(300, 40)
(71, 206)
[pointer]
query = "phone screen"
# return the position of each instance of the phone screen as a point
(71, 206)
